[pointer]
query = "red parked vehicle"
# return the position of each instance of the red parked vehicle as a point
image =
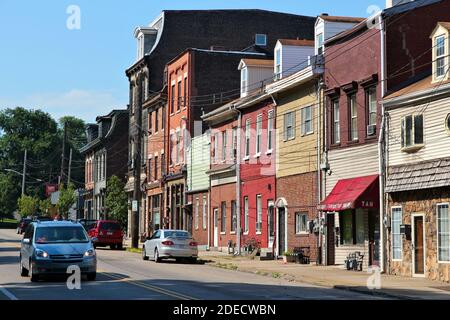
(106, 233)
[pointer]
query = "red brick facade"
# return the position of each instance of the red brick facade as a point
(200, 214)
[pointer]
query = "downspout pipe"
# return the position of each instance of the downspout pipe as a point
(238, 182)
(319, 159)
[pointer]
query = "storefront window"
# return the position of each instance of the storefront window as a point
(347, 228)
(352, 227)
(396, 221)
(359, 222)
(443, 232)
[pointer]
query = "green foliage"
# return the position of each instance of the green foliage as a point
(44, 206)
(66, 200)
(116, 201)
(27, 205)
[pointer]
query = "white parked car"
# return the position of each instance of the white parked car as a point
(166, 244)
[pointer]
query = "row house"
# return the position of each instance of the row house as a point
(354, 211)
(160, 42)
(418, 173)
(105, 155)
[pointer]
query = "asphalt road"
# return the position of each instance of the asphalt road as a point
(123, 275)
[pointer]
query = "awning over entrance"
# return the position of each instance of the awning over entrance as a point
(360, 192)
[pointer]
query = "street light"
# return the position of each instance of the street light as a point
(23, 176)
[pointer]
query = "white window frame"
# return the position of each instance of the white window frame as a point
(204, 212)
(336, 122)
(246, 224)
(270, 121)
(247, 138)
(440, 57)
(258, 135)
(413, 144)
(305, 120)
(319, 43)
(197, 204)
(224, 145)
(392, 233)
(289, 122)
(278, 71)
(299, 217)
(244, 81)
(437, 230)
(233, 215)
(353, 106)
(234, 143)
(216, 147)
(258, 225)
(372, 105)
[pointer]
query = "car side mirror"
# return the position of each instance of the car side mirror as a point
(26, 241)
(93, 240)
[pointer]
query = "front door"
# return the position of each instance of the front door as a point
(281, 230)
(330, 239)
(271, 224)
(216, 227)
(418, 245)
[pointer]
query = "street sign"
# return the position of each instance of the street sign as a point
(134, 205)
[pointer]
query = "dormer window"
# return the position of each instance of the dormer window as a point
(440, 56)
(244, 81)
(319, 43)
(278, 64)
(261, 39)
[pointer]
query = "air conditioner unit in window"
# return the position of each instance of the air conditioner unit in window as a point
(371, 130)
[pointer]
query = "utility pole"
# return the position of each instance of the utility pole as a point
(70, 167)
(24, 171)
(61, 176)
(137, 167)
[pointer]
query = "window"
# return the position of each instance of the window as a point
(258, 133)
(353, 118)
(197, 204)
(301, 221)
(412, 131)
(178, 149)
(307, 121)
(372, 106)
(278, 64)
(172, 101)
(204, 212)
(224, 145)
(216, 148)
(440, 56)
(244, 80)
(246, 214)
(319, 43)
(261, 39)
(171, 149)
(155, 176)
(156, 120)
(234, 141)
(258, 213)
(179, 96)
(270, 119)
(289, 125)
(233, 216)
(336, 124)
(443, 232)
(247, 138)
(223, 216)
(150, 120)
(185, 92)
(396, 221)
(351, 224)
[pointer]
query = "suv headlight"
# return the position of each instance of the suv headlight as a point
(41, 253)
(89, 253)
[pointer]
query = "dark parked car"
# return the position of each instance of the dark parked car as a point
(106, 233)
(52, 247)
(23, 224)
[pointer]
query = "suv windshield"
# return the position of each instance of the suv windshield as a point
(176, 234)
(60, 235)
(109, 226)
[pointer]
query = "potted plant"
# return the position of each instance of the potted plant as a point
(288, 256)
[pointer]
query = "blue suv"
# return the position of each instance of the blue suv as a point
(51, 247)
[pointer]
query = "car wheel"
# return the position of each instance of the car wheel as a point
(113, 247)
(193, 260)
(92, 276)
(144, 254)
(157, 258)
(23, 271)
(33, 277)
(119, 246)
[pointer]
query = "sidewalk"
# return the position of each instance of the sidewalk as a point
(332, 276)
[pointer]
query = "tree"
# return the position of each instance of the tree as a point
(27, 205)
(66, 200)
(116, 201)
(44, 206)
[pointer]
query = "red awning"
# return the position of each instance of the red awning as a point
(361, 192)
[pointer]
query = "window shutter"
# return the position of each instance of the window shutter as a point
(303, 121)
(403, 133)
(418, 129)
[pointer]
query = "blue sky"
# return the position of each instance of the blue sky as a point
(44, 65)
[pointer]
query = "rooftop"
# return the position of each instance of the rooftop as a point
(258, 62)
(297, 42)
(341, 19)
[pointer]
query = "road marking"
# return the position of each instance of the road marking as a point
(150, 287)
(8, 294)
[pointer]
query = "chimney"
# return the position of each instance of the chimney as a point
(393, 3)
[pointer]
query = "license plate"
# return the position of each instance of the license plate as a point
(182, 246)
(109, 233)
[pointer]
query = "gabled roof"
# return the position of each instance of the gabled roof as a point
(420, 87)
(297, 42)
(341, 19)
(256, 63)
(407, 7)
